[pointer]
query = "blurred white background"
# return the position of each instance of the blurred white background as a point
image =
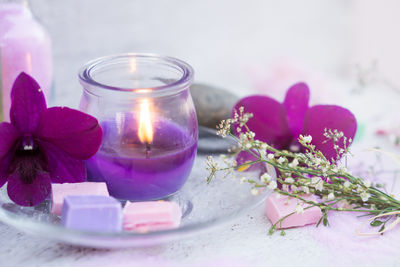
(240, 45)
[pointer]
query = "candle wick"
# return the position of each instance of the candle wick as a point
(148, 150)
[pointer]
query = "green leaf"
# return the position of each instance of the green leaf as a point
(375, 223)
(283, 233)
(382, 228)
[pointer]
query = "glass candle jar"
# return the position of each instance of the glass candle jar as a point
(149, 123)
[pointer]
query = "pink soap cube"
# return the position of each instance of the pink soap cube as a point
(279, 206)
(60, 191)
(151, 216)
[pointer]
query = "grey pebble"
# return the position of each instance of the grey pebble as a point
(212, 104)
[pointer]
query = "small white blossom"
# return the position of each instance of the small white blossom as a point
(254, 191)
(281, 160)
(317, 161)
(265, 177)
(305, 189)
(365, 196)
(367, 183)
(289, 180)
(318, 183)
(243, 179)
(264, 146)
(273, 185)
(248, 145)
(285, 188)
(347, 184)
(307, 138)
(299, 209)
(270, 156)
(331, 196)
(294, 163)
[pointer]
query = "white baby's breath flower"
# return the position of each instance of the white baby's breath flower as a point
(270, 156)
(243, 179)
(254, 191)
(248, 145)
(285, 188)
(299, 209)
(281, 160)
(273, 185)
(317, 161)
(331, 196)
(367, 183)
(346, 184)
(294, 163)
(365, 196)
(289, 180)
(305, 189)
(265, 177)
(264, 146)
(317, 183)
(307, 138)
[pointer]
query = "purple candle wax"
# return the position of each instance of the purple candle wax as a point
(133, 171)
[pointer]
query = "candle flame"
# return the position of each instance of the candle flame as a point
(145, 131)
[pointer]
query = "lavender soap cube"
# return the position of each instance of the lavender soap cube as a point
(92, 213)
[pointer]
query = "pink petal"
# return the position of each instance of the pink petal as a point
(62, 167)
(73, 131)
(29, 194)
(269, 122)
(331, 117)
(27, 103)
(296, 104)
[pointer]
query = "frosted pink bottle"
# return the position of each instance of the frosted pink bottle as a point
(24, 46)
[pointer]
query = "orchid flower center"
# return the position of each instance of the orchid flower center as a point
(27, 145)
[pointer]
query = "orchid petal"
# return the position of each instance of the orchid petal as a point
(8, 136)
(62, 167)
(5, 162)
(27, 103)
(269, 122)
(296, 104)
(29, 194)
(73, 131)
(321, 117)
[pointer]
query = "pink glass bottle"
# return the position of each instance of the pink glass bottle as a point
(24, 46)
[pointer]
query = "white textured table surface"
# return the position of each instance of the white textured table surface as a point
(245, 242)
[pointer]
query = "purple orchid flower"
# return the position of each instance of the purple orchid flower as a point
(280, 124)
(43, 145)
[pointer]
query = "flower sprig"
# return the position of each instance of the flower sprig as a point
(307, 172)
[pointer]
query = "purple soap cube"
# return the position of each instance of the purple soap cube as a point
(92, 213)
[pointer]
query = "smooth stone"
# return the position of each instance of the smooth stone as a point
(210, 142)
(212, 104)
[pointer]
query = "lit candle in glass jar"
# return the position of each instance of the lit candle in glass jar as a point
(149, 133)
